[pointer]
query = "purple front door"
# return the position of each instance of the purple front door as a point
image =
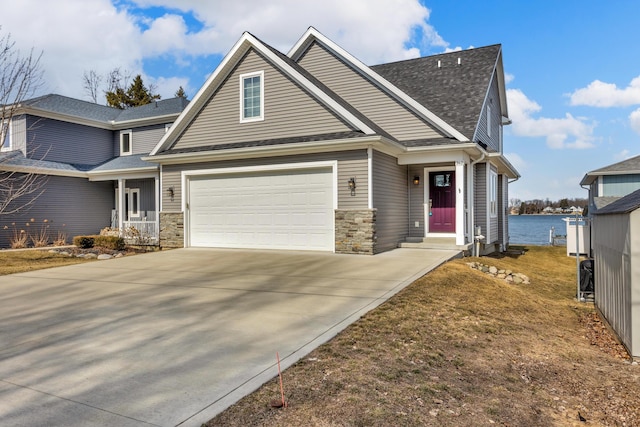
(442, 201)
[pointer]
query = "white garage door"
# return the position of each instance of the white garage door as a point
(276, 210)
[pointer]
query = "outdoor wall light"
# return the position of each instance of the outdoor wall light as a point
(416, 180)
(352, 186)
(171, 193)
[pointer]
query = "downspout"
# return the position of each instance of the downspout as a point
(472, 174)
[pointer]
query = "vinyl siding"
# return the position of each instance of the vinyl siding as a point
(143, 139)
(147, 189)
(350, 164)
(387, 113)
(619, 185)
(503, 211)
(288, 111)
(390, 199)
(617, 278)
(59, 141)
(72, 205)
(416, 202)
(481, 202)
(493, 140)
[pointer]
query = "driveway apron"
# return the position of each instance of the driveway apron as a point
(174, 337)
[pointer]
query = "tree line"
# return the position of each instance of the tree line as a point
(537, 206)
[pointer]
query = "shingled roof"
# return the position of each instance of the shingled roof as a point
(625, 204)
(453, 90)
(72, 107)
(626, 167)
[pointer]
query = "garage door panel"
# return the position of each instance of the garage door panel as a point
(278, 209)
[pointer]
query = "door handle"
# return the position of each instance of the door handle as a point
(430, 207)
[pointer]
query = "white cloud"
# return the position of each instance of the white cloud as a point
(601, 94)
(565, 132)
(99, 35)
(508, 78)
(634, 120)
(517, 161)
(623, 155)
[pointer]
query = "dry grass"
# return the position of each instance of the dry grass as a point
(458, 347)
(21, 261)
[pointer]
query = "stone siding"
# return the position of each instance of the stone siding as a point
(171, 229)
(356, 231)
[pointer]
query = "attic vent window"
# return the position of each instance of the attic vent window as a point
(252, 97)
(125, 142)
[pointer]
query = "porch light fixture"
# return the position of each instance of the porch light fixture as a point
(352, 186)
(416, 180)
(171, 193)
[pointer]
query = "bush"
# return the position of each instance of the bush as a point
(115, 243)
(84, 242)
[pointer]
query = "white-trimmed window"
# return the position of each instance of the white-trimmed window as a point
(493, 193)
(252, 97)
(126, 142)
(5, 136)
(134, 202)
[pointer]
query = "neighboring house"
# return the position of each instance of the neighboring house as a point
(314, 150)
(612, 182)
(615, 231)
(90, 157)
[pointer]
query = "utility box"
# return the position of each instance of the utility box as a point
(578, 240)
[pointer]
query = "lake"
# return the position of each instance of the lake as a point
(534, 229)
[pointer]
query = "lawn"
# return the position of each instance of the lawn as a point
(458, 347)
(28, 260)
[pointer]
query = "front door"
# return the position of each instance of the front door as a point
(442, 202)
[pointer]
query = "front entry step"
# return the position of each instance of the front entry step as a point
(434, 243)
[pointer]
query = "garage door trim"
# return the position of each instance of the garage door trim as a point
(187, 175)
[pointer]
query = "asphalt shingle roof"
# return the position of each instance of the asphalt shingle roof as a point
(124, 162)
(88, 110)
(453, 92)
(629, 165)
(625, 204)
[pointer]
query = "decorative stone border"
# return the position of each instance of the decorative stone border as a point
(506, 275)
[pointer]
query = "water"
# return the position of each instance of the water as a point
(534, 229)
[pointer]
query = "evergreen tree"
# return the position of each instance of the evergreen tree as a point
(137, 94)
(180, 93)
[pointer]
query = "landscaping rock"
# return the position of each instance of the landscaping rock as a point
(90, 256)
(507, 275)
(105, 256)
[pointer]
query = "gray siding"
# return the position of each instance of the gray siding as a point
(391, 201)
(616, 239)
(503, 211)
(619, 185)
(492, 140)
(147, 189)
(416, 202)
(495, 220)
(143, 139)
(350, 164)
(71, 205)
(288, 111)
(362, 94)
(481, 191)
(58, 141)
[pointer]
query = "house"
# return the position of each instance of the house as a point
(615, 242)
(88, 158)
(314, 150)
(612, 182)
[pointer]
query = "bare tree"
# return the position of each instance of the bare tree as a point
(91, 83)
(20, 79)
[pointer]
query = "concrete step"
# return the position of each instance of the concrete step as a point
(435, 243)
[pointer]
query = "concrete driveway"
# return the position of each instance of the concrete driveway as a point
(173, 338)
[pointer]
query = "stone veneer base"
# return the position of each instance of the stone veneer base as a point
(171, 229)
(355, 231)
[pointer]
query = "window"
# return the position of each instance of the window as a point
(125, 142)
(252, 97)
(493, 194)
(134, 202)
(5, 136)
(489, 120)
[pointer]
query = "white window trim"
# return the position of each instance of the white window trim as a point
(130, 133)
(10, 147)
(493, 193)
(134, 213)
(242, 79)
(489, 121)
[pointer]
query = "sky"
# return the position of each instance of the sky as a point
(572, 66)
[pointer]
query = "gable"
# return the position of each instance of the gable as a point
(368, 98)
(289, 111)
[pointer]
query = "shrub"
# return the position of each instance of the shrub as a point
(115, 243)
(84, 242)
(19, 238)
